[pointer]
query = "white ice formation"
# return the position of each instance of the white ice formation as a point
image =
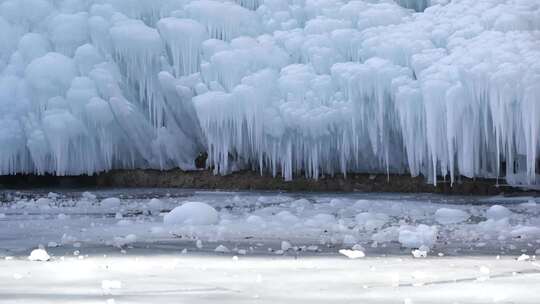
(39, 255)
(431, 87)
(193, 213)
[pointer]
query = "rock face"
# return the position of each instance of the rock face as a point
(247, 180)
(200, 161)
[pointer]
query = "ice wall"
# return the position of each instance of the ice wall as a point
(439, 88)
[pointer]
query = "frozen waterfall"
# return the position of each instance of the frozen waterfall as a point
(437, 88)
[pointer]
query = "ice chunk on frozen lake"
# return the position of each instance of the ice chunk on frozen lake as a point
(192, 213)
(417, 236)
(39, 255)
(497, 212)
(111, 202)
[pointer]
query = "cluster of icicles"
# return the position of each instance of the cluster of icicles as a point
(288, 87)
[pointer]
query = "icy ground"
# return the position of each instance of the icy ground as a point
(199, 247)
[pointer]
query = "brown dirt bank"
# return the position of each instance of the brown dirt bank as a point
(247, 180)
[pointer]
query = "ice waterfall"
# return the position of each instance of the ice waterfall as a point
(433, 87)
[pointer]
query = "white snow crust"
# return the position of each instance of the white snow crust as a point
(438, 88)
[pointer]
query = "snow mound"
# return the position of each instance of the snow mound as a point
(111, 202)
(497, 212)
(39, 255)
(222, 249)
(192, 213)
(523, 258)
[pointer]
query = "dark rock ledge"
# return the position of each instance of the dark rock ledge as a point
(248, 180)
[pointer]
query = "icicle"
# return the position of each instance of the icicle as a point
(138, 48)
(435, 88)
(184, 38)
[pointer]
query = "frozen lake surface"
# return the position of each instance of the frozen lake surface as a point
(126, 246)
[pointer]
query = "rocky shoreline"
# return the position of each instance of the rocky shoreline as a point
(248, 180)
